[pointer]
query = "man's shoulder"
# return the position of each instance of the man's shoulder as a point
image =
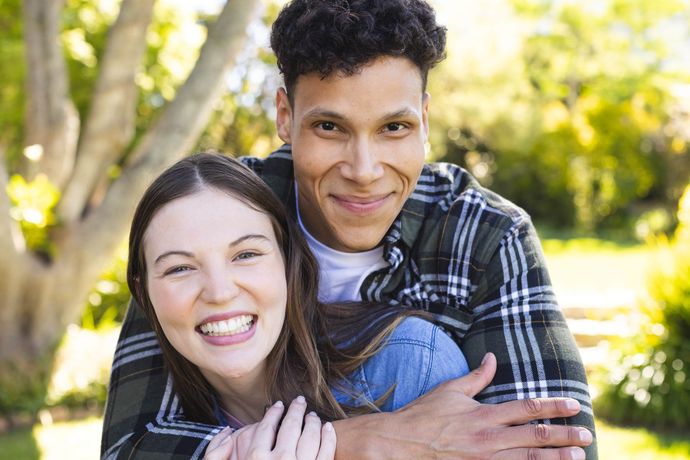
(451, 193)
(276, 170)
(277, 162)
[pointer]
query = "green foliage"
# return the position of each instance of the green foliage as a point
(33, 204)
(174, 39)
(85, 28)
(650, 384)
(107, 301)
(573, 116)
(11, 86)
(23, 387)
(243, 124)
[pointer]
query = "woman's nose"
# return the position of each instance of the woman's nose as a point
(219, 286)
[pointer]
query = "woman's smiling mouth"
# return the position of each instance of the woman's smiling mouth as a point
(231, 326)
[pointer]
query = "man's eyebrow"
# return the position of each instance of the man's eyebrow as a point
(402, 113)
(238, 241)
(325, 113)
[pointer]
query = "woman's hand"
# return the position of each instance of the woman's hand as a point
(293, 441)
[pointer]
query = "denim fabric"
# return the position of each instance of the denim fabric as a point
(416, 357)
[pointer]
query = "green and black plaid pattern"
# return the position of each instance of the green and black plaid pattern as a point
(457, 250)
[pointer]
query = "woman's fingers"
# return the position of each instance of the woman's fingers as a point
(299, 436)
(308, 444)
(328, 442)
(291, 427)
(265, 432)
(221, 446)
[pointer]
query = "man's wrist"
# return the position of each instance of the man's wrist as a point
(368, 437)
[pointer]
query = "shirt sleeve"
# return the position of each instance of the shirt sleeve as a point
(143, 417)
(517, 317)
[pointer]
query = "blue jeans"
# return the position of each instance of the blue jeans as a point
(414, 359)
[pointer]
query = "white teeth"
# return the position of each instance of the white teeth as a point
(232, 326)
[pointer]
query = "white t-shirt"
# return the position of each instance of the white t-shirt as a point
(341, 273)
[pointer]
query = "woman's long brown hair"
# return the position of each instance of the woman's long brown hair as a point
(319, 344)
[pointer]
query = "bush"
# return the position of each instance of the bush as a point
(650, 384)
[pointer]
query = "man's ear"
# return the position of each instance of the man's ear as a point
(425, 113)
(283, 116)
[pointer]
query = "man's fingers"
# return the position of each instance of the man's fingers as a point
(308, 444)
(537, 435)
(328, 442)
(564, 453)
(524, 411)
(478, 379)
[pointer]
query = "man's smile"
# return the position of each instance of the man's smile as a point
(362, 205)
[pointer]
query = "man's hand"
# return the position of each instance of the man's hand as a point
(447, 423)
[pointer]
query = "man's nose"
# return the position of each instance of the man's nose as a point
(362, 165)
(220, 286)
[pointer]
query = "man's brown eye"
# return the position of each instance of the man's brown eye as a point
(327, 126)
(394, 126)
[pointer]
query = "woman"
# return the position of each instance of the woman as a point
(230, 288)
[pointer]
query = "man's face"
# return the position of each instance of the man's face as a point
(357, 147)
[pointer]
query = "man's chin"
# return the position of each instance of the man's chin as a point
(358, 240)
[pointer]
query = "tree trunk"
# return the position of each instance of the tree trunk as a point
(40, 296)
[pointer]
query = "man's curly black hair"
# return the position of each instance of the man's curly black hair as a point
(326, 36)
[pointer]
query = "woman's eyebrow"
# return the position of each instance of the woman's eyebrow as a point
(240, 240)
(171, 253)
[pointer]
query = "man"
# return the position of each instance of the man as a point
(387, 227)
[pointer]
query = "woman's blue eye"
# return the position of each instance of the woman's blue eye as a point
(177, 269)
(247, 255)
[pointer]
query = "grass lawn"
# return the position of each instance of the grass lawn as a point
(80, 439)
(596, 273)
(75, 440)
(640, 444)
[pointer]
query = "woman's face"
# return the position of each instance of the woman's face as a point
(216, 279)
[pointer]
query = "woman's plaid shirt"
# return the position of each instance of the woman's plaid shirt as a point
(457, 250)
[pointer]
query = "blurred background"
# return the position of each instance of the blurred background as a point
(578, 111)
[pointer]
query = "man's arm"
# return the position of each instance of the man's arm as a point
(143, 416)
(448, 424)
(516, 317)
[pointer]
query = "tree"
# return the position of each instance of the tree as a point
(43, 285)
(571, 115)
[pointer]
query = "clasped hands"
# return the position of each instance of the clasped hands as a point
(446, 423)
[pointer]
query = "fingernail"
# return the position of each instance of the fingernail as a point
(312, 413)
(577, 454)
(484, 359)
(585, 436)
(278, 404)
(571, 404)
(328, 426)
(300, 399)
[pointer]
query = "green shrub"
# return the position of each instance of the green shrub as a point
(107, 302)
(649, 382)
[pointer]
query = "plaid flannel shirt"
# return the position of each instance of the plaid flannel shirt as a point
(457, 250)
